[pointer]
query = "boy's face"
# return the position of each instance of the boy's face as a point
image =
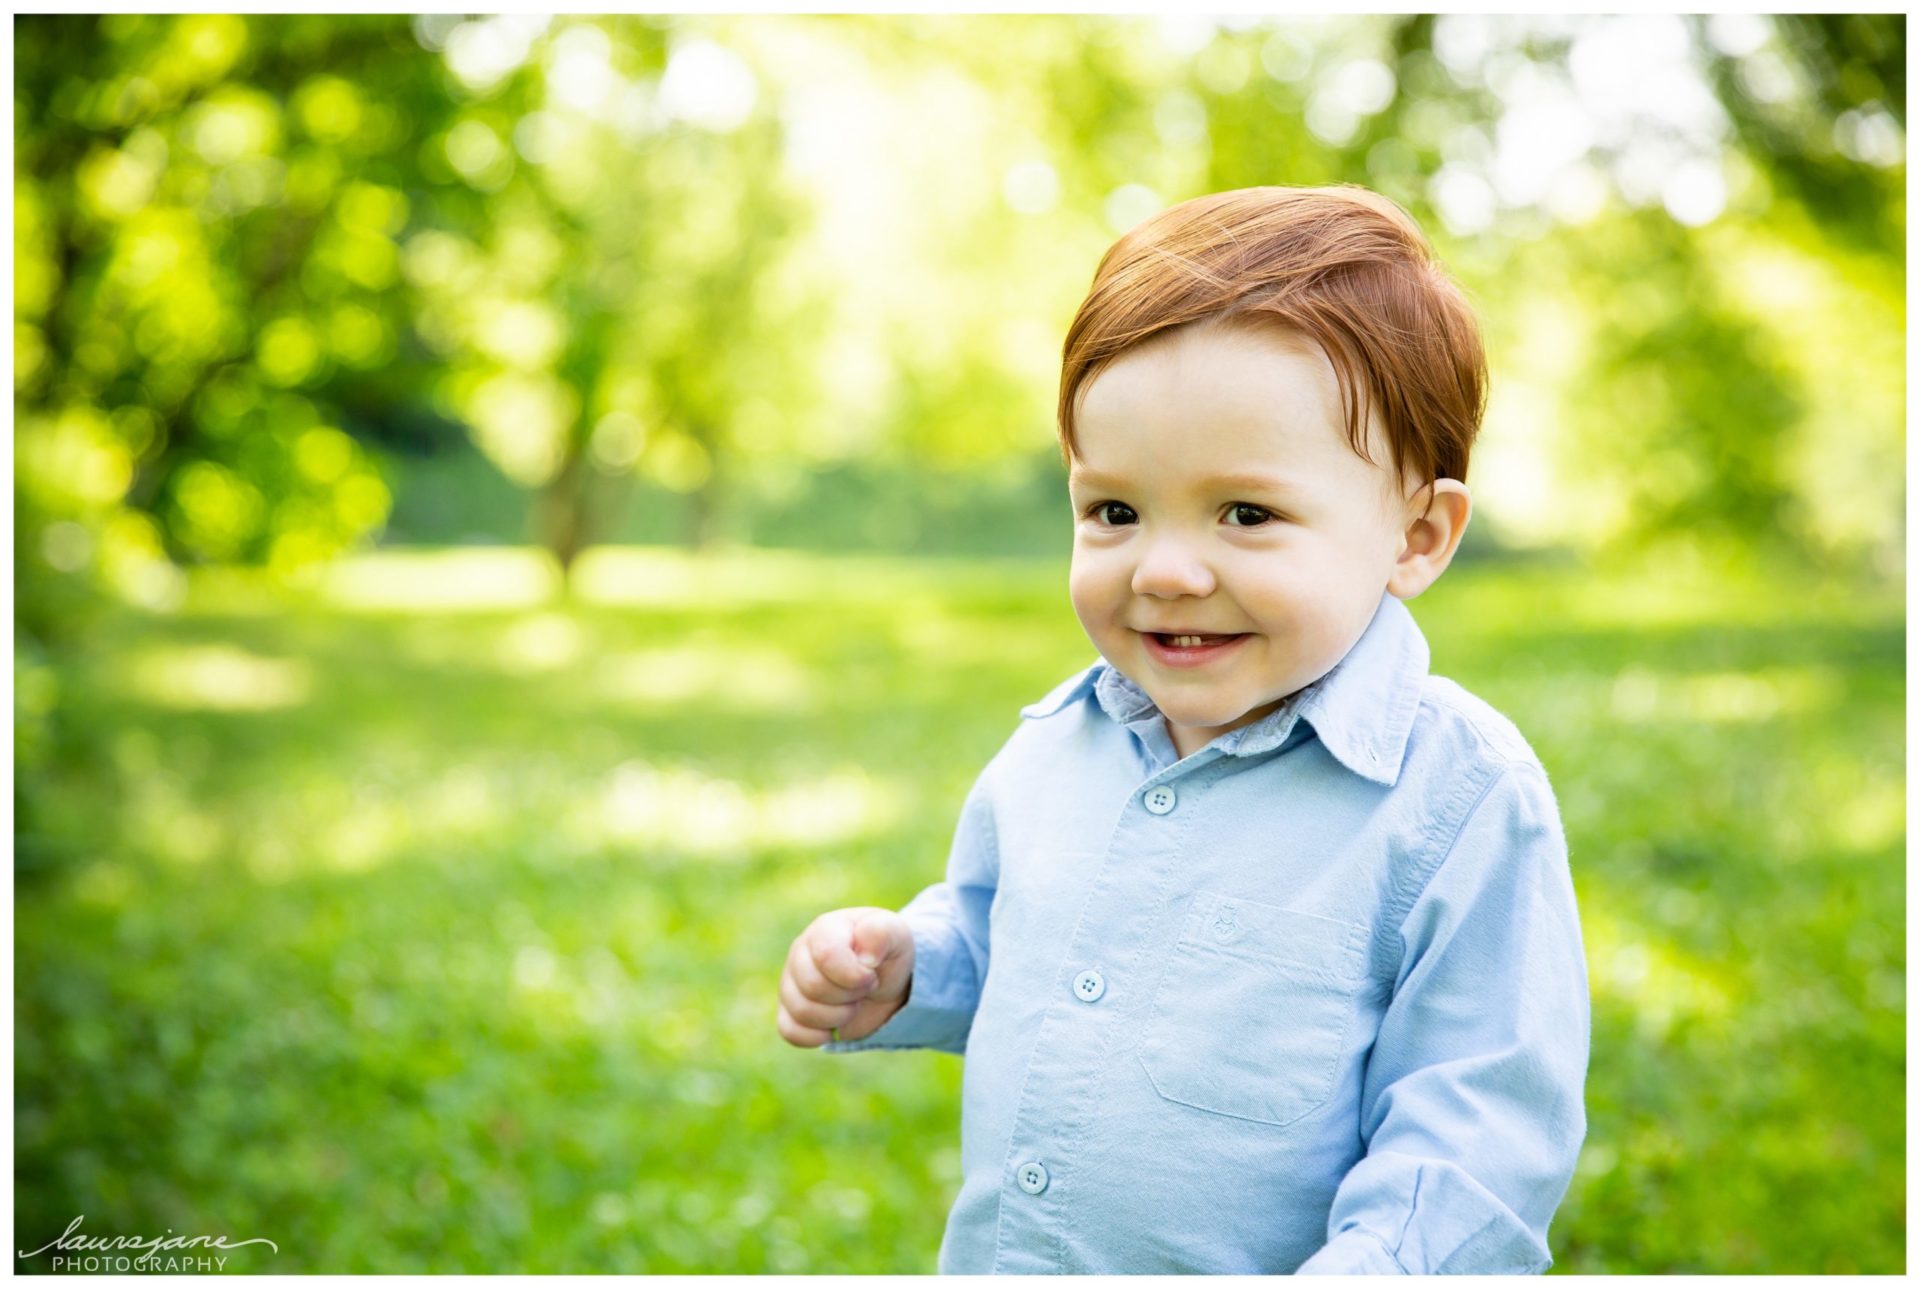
(1216, 496)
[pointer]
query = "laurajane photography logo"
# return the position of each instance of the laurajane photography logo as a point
(177, 1253)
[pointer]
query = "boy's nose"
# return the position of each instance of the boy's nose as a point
(1170, 568)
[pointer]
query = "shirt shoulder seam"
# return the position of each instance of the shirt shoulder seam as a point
(1472, 720)
(1497, 771)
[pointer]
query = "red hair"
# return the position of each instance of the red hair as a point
(1344, 267)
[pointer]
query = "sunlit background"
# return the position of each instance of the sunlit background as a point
(514, 515)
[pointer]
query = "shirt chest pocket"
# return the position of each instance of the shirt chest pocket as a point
(1251, 1015)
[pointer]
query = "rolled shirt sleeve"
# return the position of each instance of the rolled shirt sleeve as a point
(1472, 1108)
(949, 921)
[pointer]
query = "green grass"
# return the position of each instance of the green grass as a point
(419, 922)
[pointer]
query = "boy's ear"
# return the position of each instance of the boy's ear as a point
(1436, 521)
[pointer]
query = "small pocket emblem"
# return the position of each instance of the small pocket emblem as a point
(1224, 925)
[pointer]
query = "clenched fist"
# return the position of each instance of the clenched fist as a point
(848, 971)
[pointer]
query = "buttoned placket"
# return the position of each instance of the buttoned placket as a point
(1097, 1009)
(1100, 1008)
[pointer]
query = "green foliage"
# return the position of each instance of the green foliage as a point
(431, 923)
(1848, 70)
(1680, 363)
(262, 262)
(204, 224)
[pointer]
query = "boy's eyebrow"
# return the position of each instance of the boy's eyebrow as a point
(1249, 480)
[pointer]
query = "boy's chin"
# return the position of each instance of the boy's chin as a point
(1211, 719)
(1200, 721)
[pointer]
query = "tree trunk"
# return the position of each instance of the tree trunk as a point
(563, 521)
(706, 503)
(701, 526)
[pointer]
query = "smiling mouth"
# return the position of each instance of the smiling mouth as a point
(1174, 640)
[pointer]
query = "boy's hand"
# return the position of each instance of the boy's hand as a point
(848, 971)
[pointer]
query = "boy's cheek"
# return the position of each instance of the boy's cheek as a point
(1091, 604)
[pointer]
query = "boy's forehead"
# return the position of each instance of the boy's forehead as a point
(1224, 403)
(1262, 380)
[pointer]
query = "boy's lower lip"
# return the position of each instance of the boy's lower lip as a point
(1189, 655)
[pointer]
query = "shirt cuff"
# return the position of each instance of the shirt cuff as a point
(930, 1017)
(1353, 1252)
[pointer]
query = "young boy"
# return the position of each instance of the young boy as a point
(1260, 940)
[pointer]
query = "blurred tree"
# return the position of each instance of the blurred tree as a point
(254, 254)
(203, 251)
(204, 225)
(208, 227)
(1698, 417)
(608, 295)
(1811, 107)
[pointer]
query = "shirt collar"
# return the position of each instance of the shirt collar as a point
(1362, 710)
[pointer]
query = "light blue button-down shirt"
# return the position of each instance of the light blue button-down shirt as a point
(1312, 998)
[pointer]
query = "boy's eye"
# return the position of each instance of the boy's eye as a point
(1113, 512)
(1244, 515)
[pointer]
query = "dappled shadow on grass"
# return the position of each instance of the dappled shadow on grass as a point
(465, 959)
(1734, 812)
(452, 1060)
(1760, 1145)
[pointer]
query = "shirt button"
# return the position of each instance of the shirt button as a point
(1161, 800)
(1033, 1177)
(1088, 986)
